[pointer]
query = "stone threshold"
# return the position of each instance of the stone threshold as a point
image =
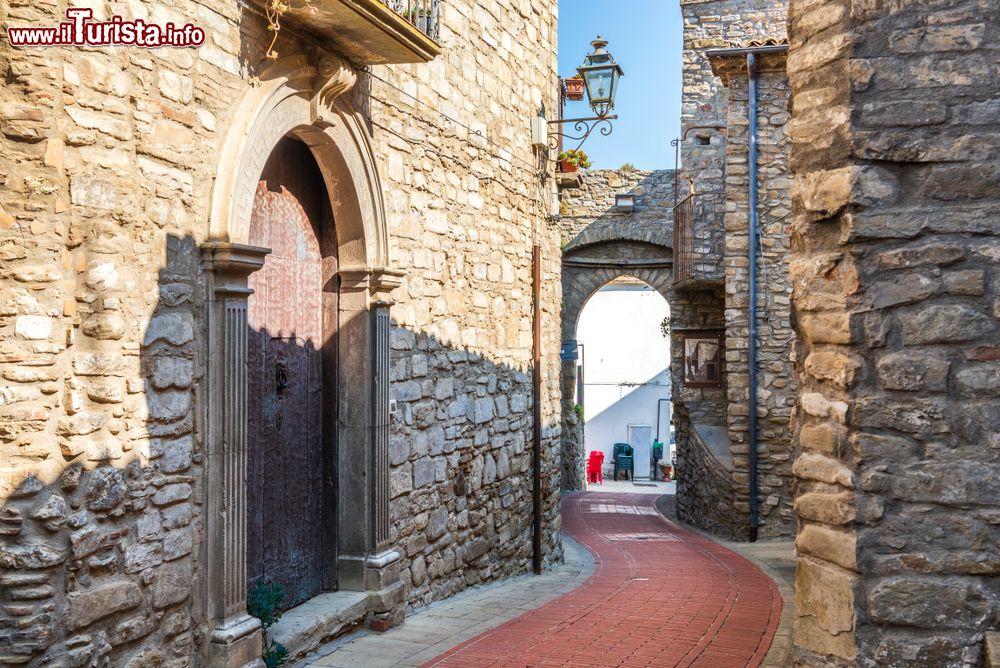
(321, 619)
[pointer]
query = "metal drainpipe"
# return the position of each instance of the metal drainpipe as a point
(752, 308)
(536, 432)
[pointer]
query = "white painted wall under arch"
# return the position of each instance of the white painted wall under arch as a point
(626, 367)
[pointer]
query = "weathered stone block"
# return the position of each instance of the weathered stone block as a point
(106, 488)
(945, 323)
(87, 607)
(929, 603)
(171, 583)
(913, 371)
(33, 327)
(31, 556)
(813, 466)
(104, 326)
(979, 381)
(836, 509)
(172, 327)
(834, 545)
(824, 602)
(934, 254)
(836, 368)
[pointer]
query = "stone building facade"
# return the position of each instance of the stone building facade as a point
(142, 382)
(599, 244)
(894, 268)
(711, 290)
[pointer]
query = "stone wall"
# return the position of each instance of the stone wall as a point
(711, 25)
(107, 162)
(775, 377)
(894, 270)
(699, 495)
(587, 213)
(465, 210)
(714, 163)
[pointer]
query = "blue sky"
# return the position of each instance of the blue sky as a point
(644, 36)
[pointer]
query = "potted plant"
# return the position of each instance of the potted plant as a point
(573, 160)
(574, 88)
(420, 17)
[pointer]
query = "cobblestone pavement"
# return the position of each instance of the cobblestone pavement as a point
(648, 593)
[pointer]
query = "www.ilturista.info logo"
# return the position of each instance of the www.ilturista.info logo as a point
(80, 30)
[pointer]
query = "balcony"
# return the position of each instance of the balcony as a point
(372, 32)
(697, 248)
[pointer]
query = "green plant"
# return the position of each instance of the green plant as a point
(264, 603)
(665, 328)
(627, 167)
(575, 157)
(578, 409)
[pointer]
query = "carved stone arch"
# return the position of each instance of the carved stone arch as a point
(296, 97)
(305, 99)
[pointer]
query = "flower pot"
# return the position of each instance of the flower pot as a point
(574, 89)
(567, 167)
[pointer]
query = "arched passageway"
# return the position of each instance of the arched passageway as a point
(587, 268)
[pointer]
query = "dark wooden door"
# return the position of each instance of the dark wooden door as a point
(285, 477)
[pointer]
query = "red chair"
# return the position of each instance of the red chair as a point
(594, 464)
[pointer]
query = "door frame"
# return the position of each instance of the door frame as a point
(308, 98)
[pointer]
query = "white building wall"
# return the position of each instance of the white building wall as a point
(626, 363)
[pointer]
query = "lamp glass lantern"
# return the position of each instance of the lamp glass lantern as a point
(600, 73)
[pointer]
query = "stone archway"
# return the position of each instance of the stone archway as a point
(311, 103)
(586, 268)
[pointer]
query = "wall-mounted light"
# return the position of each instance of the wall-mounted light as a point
(625, 203)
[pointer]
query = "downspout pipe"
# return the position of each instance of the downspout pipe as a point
(659, 403)
(536, 432)
(752, 288)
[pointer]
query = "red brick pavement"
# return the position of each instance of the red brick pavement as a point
(659, 596)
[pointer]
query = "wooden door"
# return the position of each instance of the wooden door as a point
(286, 496)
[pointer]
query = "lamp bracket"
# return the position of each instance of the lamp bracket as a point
(582, 127)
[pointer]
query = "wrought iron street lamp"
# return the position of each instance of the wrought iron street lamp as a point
(600, 74)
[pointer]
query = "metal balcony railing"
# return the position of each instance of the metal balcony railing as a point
(424, 15)
(698, 248)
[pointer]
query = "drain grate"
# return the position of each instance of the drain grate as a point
(658, 537)
(619, 510)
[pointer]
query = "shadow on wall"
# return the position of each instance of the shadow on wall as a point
(461, 440)
(101, 520)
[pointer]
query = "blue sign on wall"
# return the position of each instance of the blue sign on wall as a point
(569, 352)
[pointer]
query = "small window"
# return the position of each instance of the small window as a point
(703, 140)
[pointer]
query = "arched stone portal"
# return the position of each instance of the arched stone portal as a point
(310, 102)
(586, 268)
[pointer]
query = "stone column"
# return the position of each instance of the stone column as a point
(235, 636)
(365, 560)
